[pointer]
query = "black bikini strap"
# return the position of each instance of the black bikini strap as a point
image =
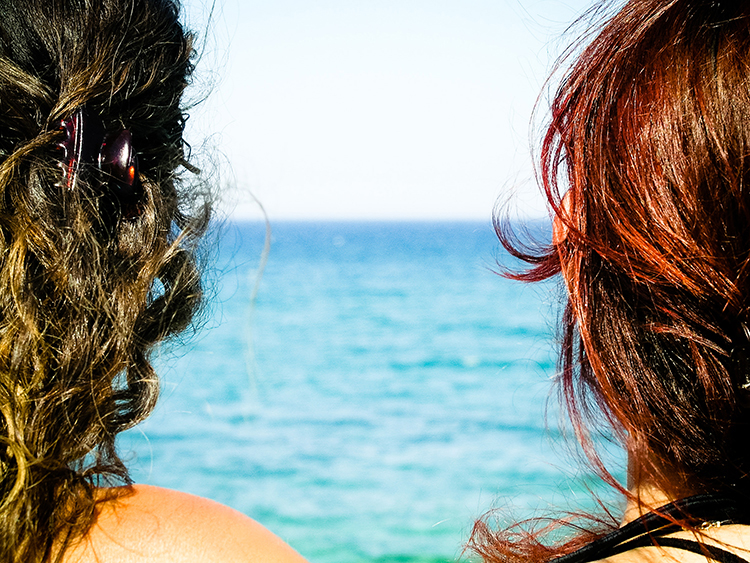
(643, 531)
(710, 551)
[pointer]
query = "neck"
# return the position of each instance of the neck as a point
(645, 497)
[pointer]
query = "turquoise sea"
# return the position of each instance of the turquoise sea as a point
(384, 391)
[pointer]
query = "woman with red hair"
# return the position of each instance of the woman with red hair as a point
(646, 166)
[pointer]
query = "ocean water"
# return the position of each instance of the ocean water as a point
(384, 390)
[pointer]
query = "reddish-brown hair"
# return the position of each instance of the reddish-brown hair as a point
(649, 144)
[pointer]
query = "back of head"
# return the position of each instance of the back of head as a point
(90, 279)
(650, 129)
(646, 164)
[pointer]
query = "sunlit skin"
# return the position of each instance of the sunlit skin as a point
(152, 524)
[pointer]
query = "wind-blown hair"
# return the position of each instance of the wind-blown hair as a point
(85, 291)
(646, 166)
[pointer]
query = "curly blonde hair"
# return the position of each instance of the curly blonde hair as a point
(85, 291)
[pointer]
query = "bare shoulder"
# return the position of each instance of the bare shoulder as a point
(158, 525)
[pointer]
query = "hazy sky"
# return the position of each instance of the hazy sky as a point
(375, 109)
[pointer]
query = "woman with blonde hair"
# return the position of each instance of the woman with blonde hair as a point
(99, 224)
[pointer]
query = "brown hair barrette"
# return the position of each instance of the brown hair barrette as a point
(87, 143)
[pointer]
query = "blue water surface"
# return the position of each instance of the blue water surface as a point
(385, 390)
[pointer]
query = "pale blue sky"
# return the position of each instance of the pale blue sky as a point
(376, 109)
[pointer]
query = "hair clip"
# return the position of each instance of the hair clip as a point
(83, 134)
(119, 165)
(87, 144)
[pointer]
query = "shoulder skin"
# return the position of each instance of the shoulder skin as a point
(161, 525)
